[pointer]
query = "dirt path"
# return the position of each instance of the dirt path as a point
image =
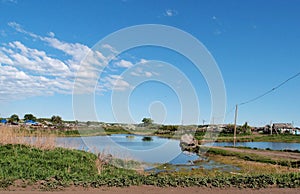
(271, 154)
(158, 190)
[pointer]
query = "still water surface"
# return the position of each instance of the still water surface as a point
(159, 150)
(260, 145)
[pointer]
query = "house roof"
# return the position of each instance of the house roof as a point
(30, 122)
(283, 125)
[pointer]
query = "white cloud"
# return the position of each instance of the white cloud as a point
(148, 74)
(143, 61)
(26, 71)
(140, 72)
(110, 48)
(124, 64)
(18, 55)
(76, 51)
(51, 34)
(116, 82)
(17, 84)
(5, 59)
(19, 28)
(135, 73)
(171, 12)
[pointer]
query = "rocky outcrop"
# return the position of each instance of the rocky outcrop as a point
(188, 142)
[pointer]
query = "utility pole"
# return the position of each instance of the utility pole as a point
(271, 128)
(235, 118)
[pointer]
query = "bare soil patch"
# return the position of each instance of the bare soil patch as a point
(157, 190)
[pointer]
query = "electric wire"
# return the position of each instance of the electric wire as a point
(270, 91)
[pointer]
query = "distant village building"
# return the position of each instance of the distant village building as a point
(283, 127)
(296, 131)
(3, 121)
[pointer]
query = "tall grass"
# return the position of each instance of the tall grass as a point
(18, 135)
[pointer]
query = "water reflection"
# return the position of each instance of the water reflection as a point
(260, 145)
(159, 150)
(155, 153)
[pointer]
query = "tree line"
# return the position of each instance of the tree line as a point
(14, 118)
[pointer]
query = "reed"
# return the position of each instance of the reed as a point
(19, 135)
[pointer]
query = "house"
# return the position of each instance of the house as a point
(296, 131)
(30, 122)
(283, 127)
(3, 121)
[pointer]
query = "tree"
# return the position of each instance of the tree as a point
(56, 119)
(147, 121)
(246, 129)
(14, 118)
(29, 117)
(88, 123)
(229, 128)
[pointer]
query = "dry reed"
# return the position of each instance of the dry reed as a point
(19, 135)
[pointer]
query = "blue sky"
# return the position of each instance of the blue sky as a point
(255, 44)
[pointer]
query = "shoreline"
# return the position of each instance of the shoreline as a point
(86, 132)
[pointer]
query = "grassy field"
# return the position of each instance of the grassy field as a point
(59, 168)
(256, 157)
(109, 130)
(287, 138)
(34, 160)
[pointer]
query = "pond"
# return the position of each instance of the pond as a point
(154, 151)
(260, 145)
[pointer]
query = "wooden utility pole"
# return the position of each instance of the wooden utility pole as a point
(235, 118)
(271, 128)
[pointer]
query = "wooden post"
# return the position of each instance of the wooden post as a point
(235, 118)
(271, 128)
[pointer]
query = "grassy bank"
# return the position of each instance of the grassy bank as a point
(255, 157)
(58, 168)
(110, 130)
(20, 131)
(53, 168)
(287, 138)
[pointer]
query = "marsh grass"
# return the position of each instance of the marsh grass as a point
(18, 135)
(287, 138)
(32, 158)
(255, 158)
(60, 168)
(251, 167)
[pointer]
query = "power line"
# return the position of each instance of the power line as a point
(269, 91)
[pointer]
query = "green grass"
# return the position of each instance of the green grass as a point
(255, 157)
(255, 148)
(170, 133)
(59, 168)
(23, 162)
(86, 131)
(287, 138)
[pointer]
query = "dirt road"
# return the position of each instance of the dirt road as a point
(158, 190)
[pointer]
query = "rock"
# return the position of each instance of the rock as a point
(188, 140)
